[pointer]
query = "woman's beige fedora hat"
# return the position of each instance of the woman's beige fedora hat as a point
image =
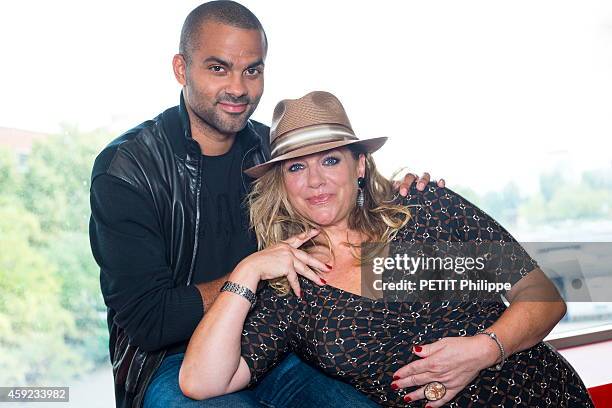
(311, 124)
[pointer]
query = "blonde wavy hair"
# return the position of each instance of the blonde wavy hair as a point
(274, 219)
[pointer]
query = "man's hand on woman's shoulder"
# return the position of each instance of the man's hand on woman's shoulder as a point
(421, 182)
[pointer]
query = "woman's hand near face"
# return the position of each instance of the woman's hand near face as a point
(212, 365)
(284, 259)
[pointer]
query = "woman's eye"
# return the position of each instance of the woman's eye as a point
(330, 161)
(294, 167)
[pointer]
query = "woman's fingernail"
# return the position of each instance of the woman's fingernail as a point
(396, 377)
(328, 266)
(324, 281)
(407, 398)
(418, 349)
(394, 386)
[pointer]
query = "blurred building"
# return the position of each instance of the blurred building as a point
(20, 142)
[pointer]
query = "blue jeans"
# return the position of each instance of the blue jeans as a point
(292, 383)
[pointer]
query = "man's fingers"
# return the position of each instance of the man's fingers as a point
(404, 186)
(423, 181)
(306, 272)
(310, 260)
(298, 240)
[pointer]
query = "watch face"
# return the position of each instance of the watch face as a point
(434, 391)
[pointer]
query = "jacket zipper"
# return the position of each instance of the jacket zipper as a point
(197, 226)
(197, 222)
(242, 167)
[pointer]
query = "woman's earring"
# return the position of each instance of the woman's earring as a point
(360, 196)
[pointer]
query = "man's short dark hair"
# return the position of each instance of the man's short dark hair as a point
(221, 11)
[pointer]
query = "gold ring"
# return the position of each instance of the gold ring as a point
(435, 391)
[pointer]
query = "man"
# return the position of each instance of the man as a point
(167, 221)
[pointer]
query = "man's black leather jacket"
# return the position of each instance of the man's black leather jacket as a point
(160, 157)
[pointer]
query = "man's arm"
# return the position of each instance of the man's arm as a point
(135, 275)
(210, 290)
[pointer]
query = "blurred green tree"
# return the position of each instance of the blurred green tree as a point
(33, 323)
(56, 183)
(52, 316)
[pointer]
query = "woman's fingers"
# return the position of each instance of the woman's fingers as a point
(420, 394)
(303, 269)
(426, 363)
(290, 261)
(415, 395)
(292, 278)
(298, 240)
(412, 380)
(426, 350)
(299, 268)
(414, 367)
(310, 260)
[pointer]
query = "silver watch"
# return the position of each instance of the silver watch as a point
(502, 352)
(240, 290)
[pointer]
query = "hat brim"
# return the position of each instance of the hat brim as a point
(369, 145)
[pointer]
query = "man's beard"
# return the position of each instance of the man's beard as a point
(223, 122)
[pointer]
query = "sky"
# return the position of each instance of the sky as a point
(480, 93)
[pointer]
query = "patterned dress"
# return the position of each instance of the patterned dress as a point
(363, 341)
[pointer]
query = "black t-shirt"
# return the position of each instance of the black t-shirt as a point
(225, 237)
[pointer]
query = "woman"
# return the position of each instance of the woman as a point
(313, 207)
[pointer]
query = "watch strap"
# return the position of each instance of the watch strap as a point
(240, 290)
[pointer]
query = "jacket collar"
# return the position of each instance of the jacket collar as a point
(177, 127)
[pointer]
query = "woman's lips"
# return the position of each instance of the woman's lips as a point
(318, 200)
(233, 108)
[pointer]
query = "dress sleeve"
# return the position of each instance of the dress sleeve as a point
(265, 336)
(507, 260)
